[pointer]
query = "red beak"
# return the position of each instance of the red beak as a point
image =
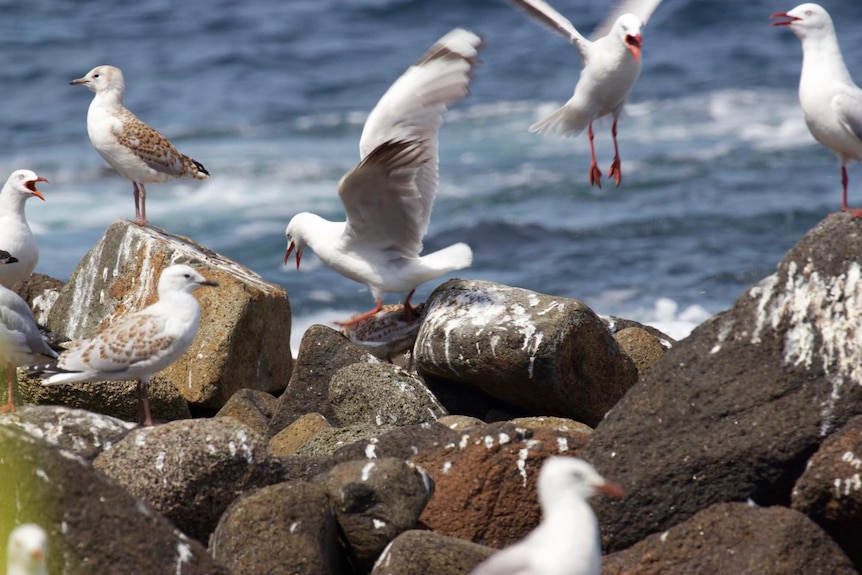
(784, 22)
(611, 489)
(31, 185)
(289, 250)
(634, 43)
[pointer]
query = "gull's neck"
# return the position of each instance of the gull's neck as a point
(108, 99)
(12, 204)
(572, 521)
(821, 58)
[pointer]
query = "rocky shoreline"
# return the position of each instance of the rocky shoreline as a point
(738, 447)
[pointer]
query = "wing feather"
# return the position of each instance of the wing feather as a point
(150, 146)
(848, 106)
(643, 9)
(545, 14)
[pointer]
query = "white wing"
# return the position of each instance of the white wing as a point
(643, 9)
(514, 560)
(848, 106)
(412, 110)
(545, 14)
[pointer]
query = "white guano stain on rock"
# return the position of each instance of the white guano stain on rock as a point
(184, 555)
(824, 316)
(366, 471)
(562, 444)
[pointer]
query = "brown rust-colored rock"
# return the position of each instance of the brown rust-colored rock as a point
(245, 322)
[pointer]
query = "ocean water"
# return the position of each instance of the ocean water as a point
(721, 176)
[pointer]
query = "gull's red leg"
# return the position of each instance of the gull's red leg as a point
(595, 172)
(363, 316)
(615, 172)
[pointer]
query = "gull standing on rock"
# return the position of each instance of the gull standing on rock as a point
(21, 343)
(27, 551)
(134, 149)
(566, 542)
(388, 196)
(612, 64)
(138, 345)
(16, 238)
(831, 101)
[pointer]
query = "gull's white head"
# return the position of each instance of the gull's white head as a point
(180, 277)
(22, 183)
(102, 78)
(28, 545)
(805, 19)
(570, 475)
(628, 29)
(295, 234)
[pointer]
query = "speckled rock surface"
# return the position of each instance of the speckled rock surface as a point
(547, 355)
(288, 528)
(191, 470)
(735, 539)
(330, 440)
(374, 501)
(290, 439)
(84, 433)
(830, 490)
(381, 393)
(735, 410)
(94, 526)
(40, 292)
(644, 348)
(428, 553)
(400, 442)
(485, 484)
(253, 408)
(244, 321)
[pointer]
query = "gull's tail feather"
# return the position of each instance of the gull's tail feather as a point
(195, 169)
(561, 121)
(455, 257)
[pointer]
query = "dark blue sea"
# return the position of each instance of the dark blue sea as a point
(721, 176)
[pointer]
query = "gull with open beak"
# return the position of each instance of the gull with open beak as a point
(16, 237)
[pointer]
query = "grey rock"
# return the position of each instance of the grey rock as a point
(547, 355)
(399, 442)
(251, 407)
(428, 553)
(94, 526)
(374, 501)
(734, 411)
(191, 470)
(287, 528)
(330, 440)
(381, 393)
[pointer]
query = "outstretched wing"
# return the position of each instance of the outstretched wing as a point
(543, 13)
(643, 9)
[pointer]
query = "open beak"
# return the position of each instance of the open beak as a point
(31, 185)
(784, 22)
(634, 43)
(611, 489)
(290, 248)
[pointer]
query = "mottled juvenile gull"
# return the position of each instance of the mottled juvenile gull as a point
(134, 149)
(388, 196)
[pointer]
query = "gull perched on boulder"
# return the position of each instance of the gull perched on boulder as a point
(134, 149)
(16, 238)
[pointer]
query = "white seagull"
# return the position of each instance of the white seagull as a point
(21, 343)
(134, 149)
(140, 344)
(612, 64)
(831, 101)
(16, 238)
(388, 196)
(27, 551)
(566, 542)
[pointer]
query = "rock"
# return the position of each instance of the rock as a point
(83, 433)
(375, 501)
(245, 322)
(40, 292)
(428, 553)
(460, 422)
(399, 442)
(112, 398)
(288, 528)
(328, 441)
(381, 393)
(191, 470)
(94, 526)
(547, 355)
(710, 422)
(830, 490)
(644, 348)
(555, 423)
(734, 538)
(322, 352)
(618, 324)
(485, 484)
(251, 407)
(290, 439)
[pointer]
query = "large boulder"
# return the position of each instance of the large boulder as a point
(547, 355)
(94, 526)
(734, 411)
(245, 322)
(428, 553)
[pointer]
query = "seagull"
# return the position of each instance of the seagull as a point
(831, 101)
(388, 196)
(138, 345)
(612, 64)
(26, 555)
(21, 343)
(566, 542)
(16, 238)
(134, 149)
